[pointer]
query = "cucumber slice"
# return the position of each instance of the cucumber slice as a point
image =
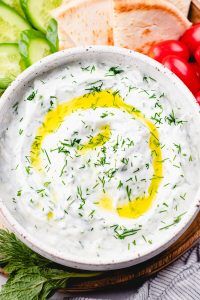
(16, 5)
(11, 64)
(33, 46)
(38, 12)
(11, 24)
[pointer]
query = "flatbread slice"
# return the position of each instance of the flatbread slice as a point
(182, 5)
(138, 24)
(86, 22)
(65, 41)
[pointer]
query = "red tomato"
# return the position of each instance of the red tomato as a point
(196, 68)
(170, 47)
(198, 97)
(197, 54)
(191, 37)
(184, 71)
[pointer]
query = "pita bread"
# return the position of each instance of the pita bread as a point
(64, 40)
(86, 22)
(182, 5)
(138, 24)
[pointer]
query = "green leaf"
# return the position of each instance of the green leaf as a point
(31, 276)
(52, 35)
(25, 285)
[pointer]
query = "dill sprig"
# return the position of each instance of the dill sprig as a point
(176, 221)
(122, 232)
(171, 119)
(113, 71)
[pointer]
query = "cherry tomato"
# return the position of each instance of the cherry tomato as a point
(171, 47)
(191, 37)
(197, 54)
(198, 97)
(196, 68)
(184, 71)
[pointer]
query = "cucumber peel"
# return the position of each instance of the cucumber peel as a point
(11, 63)
(38, 12)
(16, 5)
(11, 24)
(52, 35)
(33, 46)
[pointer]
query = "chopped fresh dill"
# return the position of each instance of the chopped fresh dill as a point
(171, 119)
(80, 195)
(176, 221)
(102, 180)
(95, 86)
(89, 68)
(45, 151)
(19, 193)
(121, 232)
(31, 96)
(125, 161)
(120, 184)
(178, 147)
(28, 169)
(128, 191)
(113, 71)
(21, 131)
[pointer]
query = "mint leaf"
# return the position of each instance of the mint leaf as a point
(24, 285)
(31, 276)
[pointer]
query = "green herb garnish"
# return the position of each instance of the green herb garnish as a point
(176, 221)
(31, 276)
(114, 71)
(122, 232)
(31, 96)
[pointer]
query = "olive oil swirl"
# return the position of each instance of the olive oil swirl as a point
(135, 207)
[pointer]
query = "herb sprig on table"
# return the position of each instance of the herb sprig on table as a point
(31, 276)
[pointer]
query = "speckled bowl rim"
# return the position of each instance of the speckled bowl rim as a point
(50, 253)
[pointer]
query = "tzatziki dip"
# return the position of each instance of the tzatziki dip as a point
(99, 160)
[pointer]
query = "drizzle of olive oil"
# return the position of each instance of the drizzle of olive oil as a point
(106, 203)
(50, 215)
(133, 208)
(99, 140)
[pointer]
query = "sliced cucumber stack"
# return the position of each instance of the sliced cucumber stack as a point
(11, 64)
(33, 46)
(16, 5)
(20, 44)
(11, 24)
(38, 12)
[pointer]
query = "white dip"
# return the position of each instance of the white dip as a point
(99, 183)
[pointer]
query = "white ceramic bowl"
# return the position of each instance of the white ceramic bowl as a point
(173, 85)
